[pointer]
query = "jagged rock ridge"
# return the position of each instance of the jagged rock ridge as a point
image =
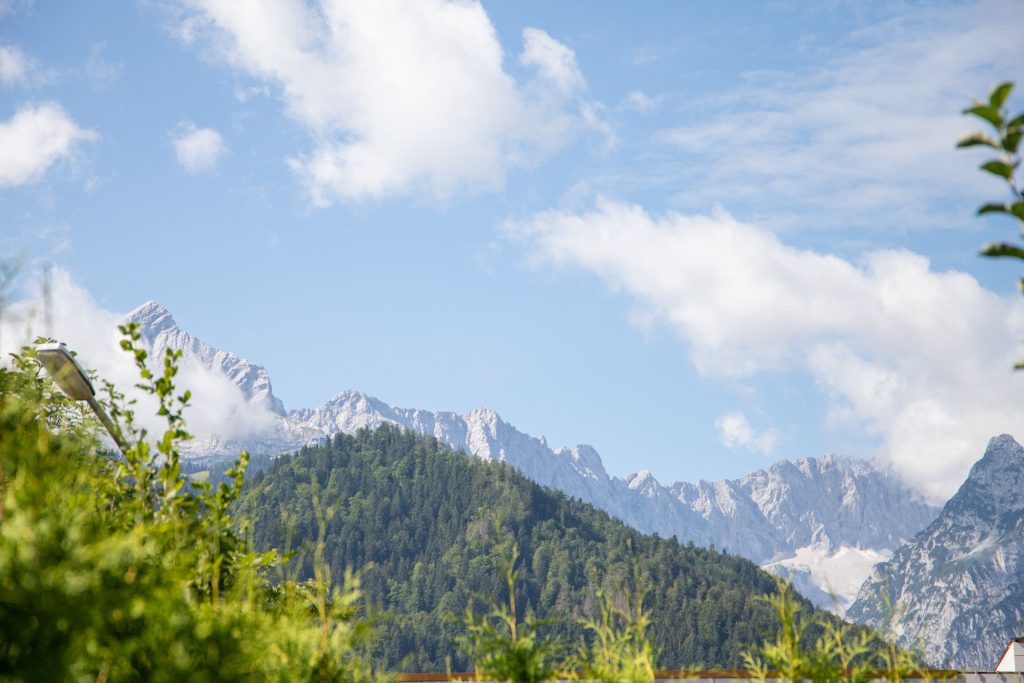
(957, 588)
(160, 332)
(273, 432)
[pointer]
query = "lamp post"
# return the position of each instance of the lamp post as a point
(69, 376)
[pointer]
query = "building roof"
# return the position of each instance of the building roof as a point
(1006, 650)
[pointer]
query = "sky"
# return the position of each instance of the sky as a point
(701, 237)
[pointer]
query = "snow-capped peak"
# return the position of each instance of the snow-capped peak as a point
(160, 332)
(152, 318)
(644, 484)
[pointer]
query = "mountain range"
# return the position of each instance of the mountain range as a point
(821, 522)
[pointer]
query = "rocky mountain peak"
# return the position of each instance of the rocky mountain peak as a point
(586, 458)
(1003, 457)
(957, 587)
(640, 479)
(484, 417)
(152, 318)
(995, 485)
(160, 332)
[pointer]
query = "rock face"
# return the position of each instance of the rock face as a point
(160, 332)
(957, 588)
(270, 432)
(822, 522)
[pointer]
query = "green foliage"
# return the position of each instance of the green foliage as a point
(620, 648)
(1004, 140)
(423, 517)
(847, 651)
(502, 647)
(840, 652)
(118, 568)
(786, 655)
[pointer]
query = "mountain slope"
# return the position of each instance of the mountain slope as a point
(822, 522)
(957, 588)
(429, 519)
(268, 429)
(160, 332)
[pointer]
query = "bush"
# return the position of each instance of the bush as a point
(120, 568)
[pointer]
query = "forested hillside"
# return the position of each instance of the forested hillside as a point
(424, 523)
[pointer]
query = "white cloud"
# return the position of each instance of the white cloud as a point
(735, 432)
(917, 357)
(866, 135)
(554, 61)
(244, 94)
(639, 101)
(592, 116)
(100, 70)
(398, 96)
(198, 149)
(14, 65)
(14, 5)
(69, 314)
(34, 139)
(19, 68)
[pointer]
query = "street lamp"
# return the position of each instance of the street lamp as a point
(69, 376)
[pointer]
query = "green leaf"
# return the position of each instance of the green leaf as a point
(974, 139)
(1018, 210)
(1001, 249)
(1019, 121)
(1019, 365)
(983, 111)
(994, 208)
(999, 168)
(999, 94)
(1012, 141)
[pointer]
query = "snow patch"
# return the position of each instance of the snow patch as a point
(840, 573)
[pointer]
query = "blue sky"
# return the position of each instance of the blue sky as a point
(700, 237)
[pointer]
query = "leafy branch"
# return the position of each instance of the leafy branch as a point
(1003, 138)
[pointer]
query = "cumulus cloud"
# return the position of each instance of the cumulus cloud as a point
(65, 311)
(34, 139)
(735, 432)
(198, 149)
(397, 95)
(868, 133)
(554, 61)
(917, 357)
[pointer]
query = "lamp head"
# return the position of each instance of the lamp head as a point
(65, 371)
